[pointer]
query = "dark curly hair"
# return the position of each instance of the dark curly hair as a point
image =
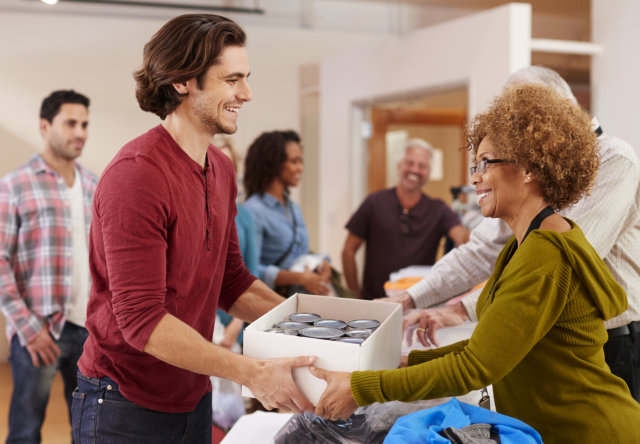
(265, 159)
(184, 48)
(51, 104)
(547, 135)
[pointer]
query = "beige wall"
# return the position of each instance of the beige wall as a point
(616, 71)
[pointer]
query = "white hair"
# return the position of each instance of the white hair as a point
(544, 76)
(419, 143)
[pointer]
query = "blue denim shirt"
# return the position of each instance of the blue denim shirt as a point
(274, 226)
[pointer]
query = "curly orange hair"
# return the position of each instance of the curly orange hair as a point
(546, 134)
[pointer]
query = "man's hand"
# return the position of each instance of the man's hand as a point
(403, 298)
(42, 347)
(430, 320)
(336, 401)
(314, 283)
(273, 384)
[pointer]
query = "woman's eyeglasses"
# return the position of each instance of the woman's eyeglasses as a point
(481, 167)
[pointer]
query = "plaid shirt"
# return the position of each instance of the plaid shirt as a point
(36, 247)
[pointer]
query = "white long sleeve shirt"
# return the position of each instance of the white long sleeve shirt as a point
(609, 218)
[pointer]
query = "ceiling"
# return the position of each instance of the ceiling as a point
(268, 11)
(555, 19)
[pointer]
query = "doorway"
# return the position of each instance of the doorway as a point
(437, 118)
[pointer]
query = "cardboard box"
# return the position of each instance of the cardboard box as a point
(381, 350)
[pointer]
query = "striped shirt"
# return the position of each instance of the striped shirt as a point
(36, 247)
(609, 218)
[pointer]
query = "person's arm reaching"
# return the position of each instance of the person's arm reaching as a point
(349, 267)
(463, 267)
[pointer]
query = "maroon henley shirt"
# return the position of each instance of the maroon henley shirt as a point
(163, 240)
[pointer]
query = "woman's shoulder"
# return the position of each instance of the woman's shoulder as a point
(546, 246)
(253, 203)
(243, 212)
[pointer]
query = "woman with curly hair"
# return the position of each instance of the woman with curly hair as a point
(273, 165)
(540, 328)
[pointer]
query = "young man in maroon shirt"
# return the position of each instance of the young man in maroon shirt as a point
(164, 254)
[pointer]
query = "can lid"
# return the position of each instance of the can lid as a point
(364, 323)
(304, 317)
(335, 323)
(321, 332)
(291, 325)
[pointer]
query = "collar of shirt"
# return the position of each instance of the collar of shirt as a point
(271, 201)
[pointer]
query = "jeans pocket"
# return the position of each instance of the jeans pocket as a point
(77, 405)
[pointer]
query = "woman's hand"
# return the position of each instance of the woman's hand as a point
(336, 401)
(314, 283)
(432, 319)
(324, 270)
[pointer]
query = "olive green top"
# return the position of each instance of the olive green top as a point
(539, 342)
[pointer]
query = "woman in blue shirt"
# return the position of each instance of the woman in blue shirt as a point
(273, 165)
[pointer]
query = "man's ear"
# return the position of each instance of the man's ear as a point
(43, 125)
(182, 88)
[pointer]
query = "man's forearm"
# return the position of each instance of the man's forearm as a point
(14, 308)
(254, 302)
(287, 277)
(350, 271)
(464, 266)
(176, 343)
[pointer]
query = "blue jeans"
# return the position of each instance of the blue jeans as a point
(31, 385)
(100, 415)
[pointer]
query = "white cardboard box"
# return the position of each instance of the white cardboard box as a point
(381, 350)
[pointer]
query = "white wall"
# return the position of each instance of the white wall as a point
(615, 74)
(479, 51)
(96, 56)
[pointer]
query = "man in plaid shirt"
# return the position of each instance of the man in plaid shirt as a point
(45, 212)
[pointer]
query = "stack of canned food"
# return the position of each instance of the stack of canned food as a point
(312, 325)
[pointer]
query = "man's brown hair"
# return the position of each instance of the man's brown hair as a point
(184, 48)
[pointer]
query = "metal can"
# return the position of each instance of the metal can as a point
(321, 332)
(335, 323)
(292, 325)
(359, 332)
(364, 323)
(309, 318)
